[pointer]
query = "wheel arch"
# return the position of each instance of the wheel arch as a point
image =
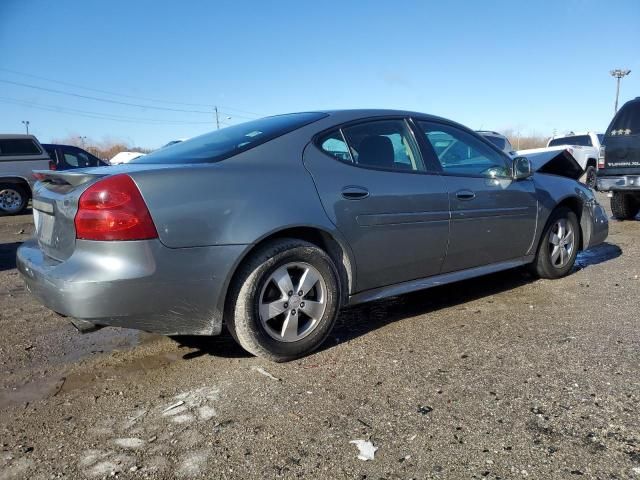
(17, 180)
(576, 205)
(592, 162)
(336, 249)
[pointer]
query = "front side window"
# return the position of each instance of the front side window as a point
(18, 146)
(460, 153)
(384, 144)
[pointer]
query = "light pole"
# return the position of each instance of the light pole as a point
(618, 74)
(82, 139)
(26, 124)
(218, 118)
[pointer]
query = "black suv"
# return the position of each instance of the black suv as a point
(619, 163)
(67, 157)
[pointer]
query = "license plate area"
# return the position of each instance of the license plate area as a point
(44, 223)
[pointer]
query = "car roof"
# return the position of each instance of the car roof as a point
(576, 134)
(337, 117)
(59, 145)
(378, 112)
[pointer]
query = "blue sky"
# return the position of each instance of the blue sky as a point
(533, 66)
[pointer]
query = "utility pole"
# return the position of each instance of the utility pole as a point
(618, 74)
(26, 124)
(217, 118)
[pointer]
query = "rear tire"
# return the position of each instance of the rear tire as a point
(13, 198)
(624, 206)
(264, 313)
(558, 245)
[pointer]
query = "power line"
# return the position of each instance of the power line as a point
(97, 115)
(125, 95)
(78, 95)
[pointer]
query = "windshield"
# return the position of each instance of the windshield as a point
(229, 141)
(581, 140)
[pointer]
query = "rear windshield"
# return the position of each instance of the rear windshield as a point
(626, 121)
(229, 141)
(497, 141)
(18, 146)
(582, 140)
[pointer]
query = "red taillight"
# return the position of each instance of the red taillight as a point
(113, 209)
(52, 165)
(601, 157)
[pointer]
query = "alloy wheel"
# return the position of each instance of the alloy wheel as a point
(561, 243)
(292, 301)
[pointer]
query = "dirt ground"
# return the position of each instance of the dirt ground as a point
(500, 377)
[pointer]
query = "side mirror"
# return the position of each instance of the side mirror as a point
(521, 168)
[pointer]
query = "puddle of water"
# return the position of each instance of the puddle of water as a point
(47, 387)
(30, 392)
(594, 256)
(106, 340)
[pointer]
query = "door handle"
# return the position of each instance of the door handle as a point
(465, 195)
(355, 193)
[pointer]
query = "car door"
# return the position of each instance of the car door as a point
(373, 185)
(493, 217)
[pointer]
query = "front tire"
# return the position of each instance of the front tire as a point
(590, 177)
(624, 206)
(558, 246)
(13, 198)
(284, 300)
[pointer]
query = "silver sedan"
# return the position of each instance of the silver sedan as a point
(271, 226)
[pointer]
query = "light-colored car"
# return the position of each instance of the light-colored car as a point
(499, 141)
(19, 156)
(272, 225)
(583, 146)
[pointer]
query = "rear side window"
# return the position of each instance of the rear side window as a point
(18, 146)
(384, 144)
(229, 141)
(626, 121)
(581, 140)
(52, 154)
(335, 145)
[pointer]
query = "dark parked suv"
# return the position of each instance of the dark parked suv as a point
(67, 157)
(619, 163)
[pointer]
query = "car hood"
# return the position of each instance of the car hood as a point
(554, 161)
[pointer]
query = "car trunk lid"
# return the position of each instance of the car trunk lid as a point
(55, 204)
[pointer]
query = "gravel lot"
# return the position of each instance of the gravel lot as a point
(499, 377)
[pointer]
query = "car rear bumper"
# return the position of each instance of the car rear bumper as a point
(619, 183)
(138, 284)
